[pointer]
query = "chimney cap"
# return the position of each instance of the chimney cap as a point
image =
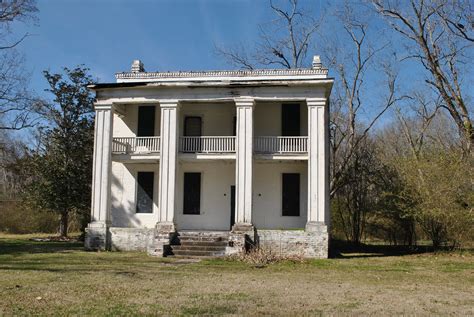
(317, 62)
(137, 66)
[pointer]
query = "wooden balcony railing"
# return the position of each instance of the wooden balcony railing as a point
(136, 145)
(280, 144)
(207, 144)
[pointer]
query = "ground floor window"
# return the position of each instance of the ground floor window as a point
(291, 194)
(192, 194)
(145, 181)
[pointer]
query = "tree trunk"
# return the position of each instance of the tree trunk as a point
(63, 226)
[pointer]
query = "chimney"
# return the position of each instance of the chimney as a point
(317, 62)
(137, 66)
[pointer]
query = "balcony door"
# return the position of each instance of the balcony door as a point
(192, 126)
(146, 121)
(290, 119)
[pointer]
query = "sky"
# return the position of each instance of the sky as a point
(106, 35)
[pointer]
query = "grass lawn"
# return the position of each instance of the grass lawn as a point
(59, 278)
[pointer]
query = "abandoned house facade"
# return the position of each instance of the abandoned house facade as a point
(211, 163)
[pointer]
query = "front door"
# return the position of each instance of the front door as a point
(232, 206)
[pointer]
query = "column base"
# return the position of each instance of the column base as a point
(165, 233)
(241, 238)
(316, 226)
(97, 236)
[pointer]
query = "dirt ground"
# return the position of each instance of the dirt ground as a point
(59, 278)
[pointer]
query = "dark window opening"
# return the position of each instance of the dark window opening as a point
(291, 194)
(234, 126)
(192, 194)
(146, 121)
(290, 120)
(192, 126)
(145, 182)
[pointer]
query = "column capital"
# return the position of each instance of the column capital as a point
(244, 102)
(103, 106)
(316, 102)
(169, 103)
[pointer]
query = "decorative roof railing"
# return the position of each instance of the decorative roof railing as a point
(222, 73)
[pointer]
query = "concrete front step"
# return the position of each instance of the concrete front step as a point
(198, 247)
(204, 243)
(192, 253)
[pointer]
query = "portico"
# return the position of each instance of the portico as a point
(208, 151)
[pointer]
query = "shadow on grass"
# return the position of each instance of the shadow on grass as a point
(344, 250)
(20, 246)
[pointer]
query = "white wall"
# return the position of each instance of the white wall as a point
(126, 126)
(217, 118)
(123, 196)
(216, 179)
(267, 119)
(267, 197)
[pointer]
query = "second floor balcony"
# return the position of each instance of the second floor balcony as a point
(293, 145)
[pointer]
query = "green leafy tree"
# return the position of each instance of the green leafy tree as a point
(59, 171)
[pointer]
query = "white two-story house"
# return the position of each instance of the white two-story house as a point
(210, 163)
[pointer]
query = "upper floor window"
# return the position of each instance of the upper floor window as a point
(290, 119)
(146, 121)
(192, 126)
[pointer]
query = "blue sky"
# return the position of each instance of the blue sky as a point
(106, 35)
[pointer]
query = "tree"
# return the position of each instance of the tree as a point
(283, 42)
(439, 35)
(59, 172)
(16, 102)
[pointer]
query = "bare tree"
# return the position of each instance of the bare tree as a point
(16, 102)
(441, 41)
(283, 42)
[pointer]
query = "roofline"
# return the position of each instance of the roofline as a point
(212, 84)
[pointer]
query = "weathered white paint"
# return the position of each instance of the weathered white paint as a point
(267, 195)
(169, 151)
(216, 180)
(244, 160)
(124, 196)
(318, 166)
(101, 175)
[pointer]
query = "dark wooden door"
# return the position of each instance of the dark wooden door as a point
(232, 206)
(290, 119)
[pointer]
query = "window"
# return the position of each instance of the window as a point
(290, 119)
(291, 194)
(146, 121)
(145, 182)
(192, 194)
(192, 126)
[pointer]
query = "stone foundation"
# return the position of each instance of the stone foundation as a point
(312, 243)
(308, 244)
(97, 237)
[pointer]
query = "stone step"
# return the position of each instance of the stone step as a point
(198, 247)
(202, 238)
(194, 253)
(203, 243)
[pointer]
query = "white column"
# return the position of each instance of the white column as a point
(244, 153)
(102, 166)
(318, 162)
(168, 156)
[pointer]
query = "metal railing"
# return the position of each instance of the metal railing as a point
(280, 144)
(131, 145)
(207, 144)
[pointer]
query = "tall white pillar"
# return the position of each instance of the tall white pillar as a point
(96, 237)
(168, 156)
(244, 149)
(318, 163)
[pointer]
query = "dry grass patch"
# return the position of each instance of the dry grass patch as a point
(69, 281)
